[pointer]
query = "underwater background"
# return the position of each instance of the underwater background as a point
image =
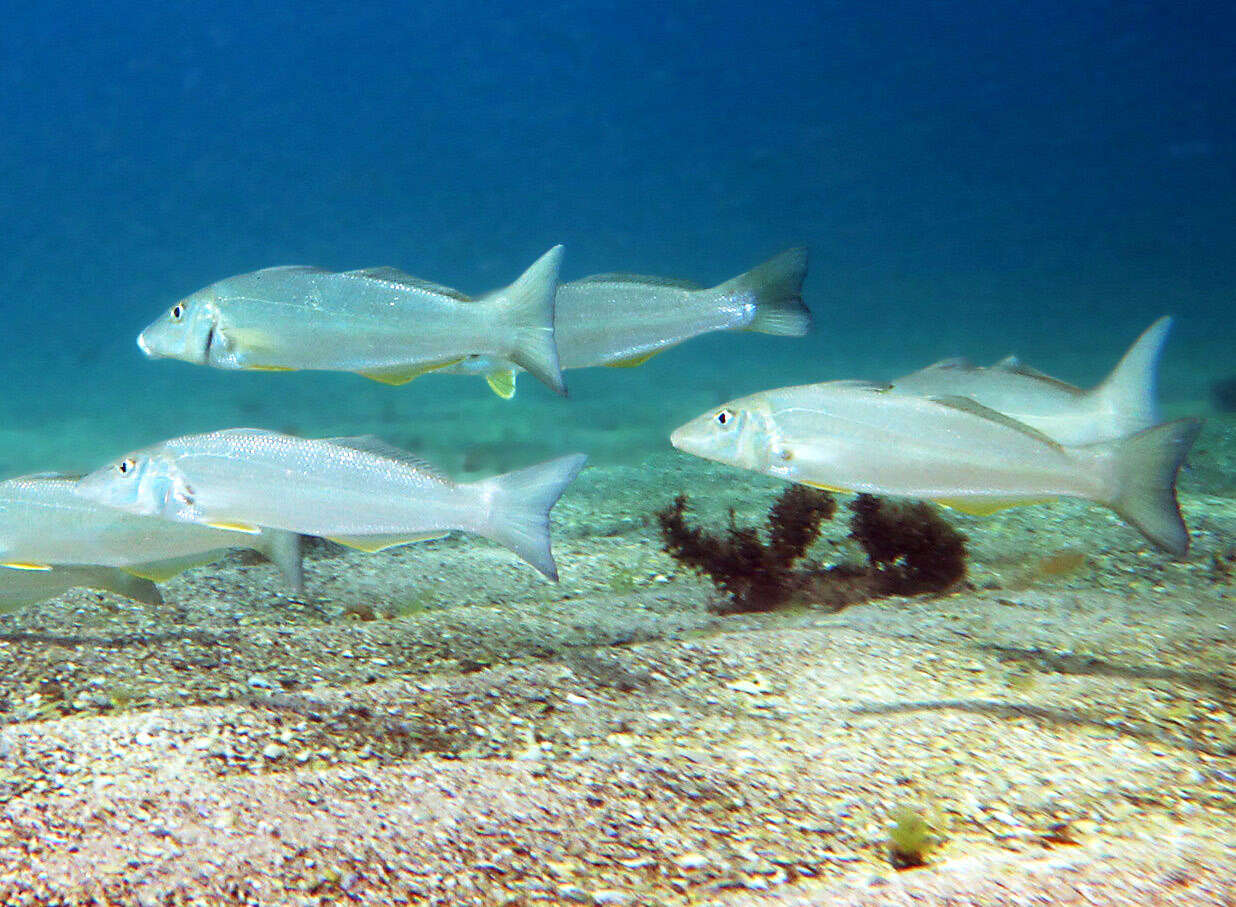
(971, 179)
(437, 723)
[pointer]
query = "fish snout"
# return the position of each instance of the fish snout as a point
(144, 346)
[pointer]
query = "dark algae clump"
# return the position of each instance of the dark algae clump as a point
(756, 575)
(909, 549)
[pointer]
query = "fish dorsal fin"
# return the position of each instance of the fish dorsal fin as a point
(647, 280)
(858, 384)
(974, 408)
(952, 363)
(292, 269)
(372, 444)
(1011, 365)
(407, 281)
(51, 476)
(1015, 366)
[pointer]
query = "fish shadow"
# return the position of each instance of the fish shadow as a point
(1059, 717)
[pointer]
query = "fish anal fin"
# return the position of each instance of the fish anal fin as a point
(632, 361)
(26, 565)
(823, 487)
(162, 571)
(269, 368)
(986, 506)
(230, 526)
(502, 382)
(402, 374)
(374, 543)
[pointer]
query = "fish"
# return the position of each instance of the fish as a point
(381, 323)
(19, 588)
(623, 320)
(359, 492)
(856, 436)
(1122, 404)
(44, 524)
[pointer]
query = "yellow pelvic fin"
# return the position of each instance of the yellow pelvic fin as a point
(502, 383)
(246, 528)
(402, 374)
(372, 543)
(25, 565)
(833, 488)
(269, 368)
(633, 361)
(986, 506)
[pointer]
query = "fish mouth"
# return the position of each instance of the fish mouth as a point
(144, 346)
(678, 437)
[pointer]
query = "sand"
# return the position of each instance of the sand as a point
(437, 724)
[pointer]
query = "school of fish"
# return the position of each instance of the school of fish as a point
(977, 439)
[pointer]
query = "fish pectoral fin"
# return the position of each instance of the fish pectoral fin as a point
(986, 506)
(632, 361)
(974, 408)
(372, 543)
(246, 341)
(502, 382)
(247, 528)
(402, 374)
(25, 565)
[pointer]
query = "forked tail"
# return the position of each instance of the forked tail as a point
(1146, 465)
(519, 508)
(776, 287)
(528, 306)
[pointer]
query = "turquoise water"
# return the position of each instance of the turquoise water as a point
(970, 180)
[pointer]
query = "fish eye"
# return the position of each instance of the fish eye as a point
(724, 417)
(178, 311)
(126, 466)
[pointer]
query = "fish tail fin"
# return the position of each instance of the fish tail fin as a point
(284, 550)
(1145, 466)
(1129, 391)
(529, 303)
(777, 287)
(519, 508)
(120, 582)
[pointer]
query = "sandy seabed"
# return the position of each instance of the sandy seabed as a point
(437, 724)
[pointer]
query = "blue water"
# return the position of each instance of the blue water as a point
(972, 178)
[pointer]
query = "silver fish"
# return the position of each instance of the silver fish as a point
(623, 320)
(378, 322)
(359, 492)
(1123, 404)
(855, 436)
(19, 588)
(44, 523)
